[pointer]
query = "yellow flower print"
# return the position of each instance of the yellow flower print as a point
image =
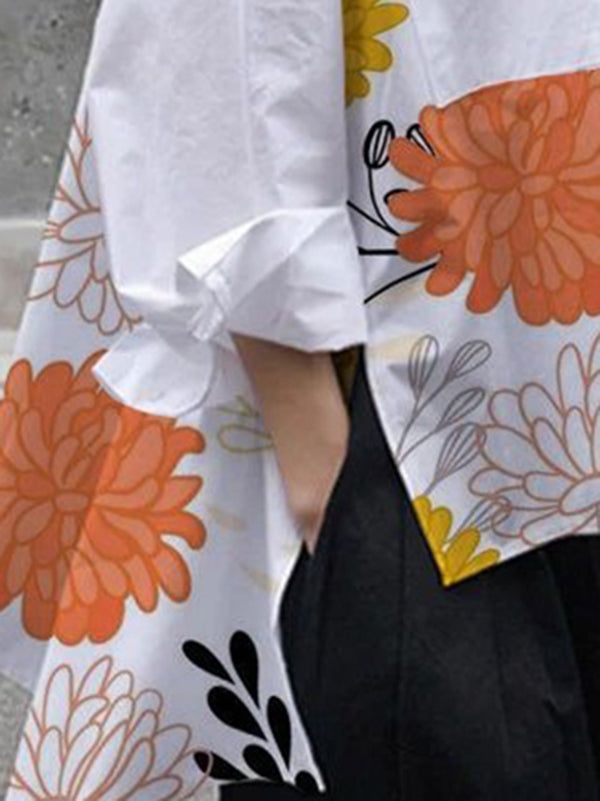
(364, 20)
(455, 555)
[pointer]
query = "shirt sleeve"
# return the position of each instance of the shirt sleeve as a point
(220, 153)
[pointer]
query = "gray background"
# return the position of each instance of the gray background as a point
(43, 44)
(43, 48)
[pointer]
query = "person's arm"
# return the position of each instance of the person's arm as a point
(304, 411)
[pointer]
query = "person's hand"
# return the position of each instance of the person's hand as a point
(309, 494)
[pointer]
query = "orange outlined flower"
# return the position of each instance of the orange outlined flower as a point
(541, 451)
(511, 195)
(72, 268)
(96, 737)
(87, 496)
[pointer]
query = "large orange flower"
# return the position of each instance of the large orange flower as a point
(86, 497)
(512, 195)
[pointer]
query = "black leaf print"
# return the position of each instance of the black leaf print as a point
(306, 782)
(262, 763)
(203, 657)
(232, 711)
(245, 660)
(221, 768)
(271, 724)
(279, 721)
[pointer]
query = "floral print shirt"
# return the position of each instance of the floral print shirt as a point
(421, 178)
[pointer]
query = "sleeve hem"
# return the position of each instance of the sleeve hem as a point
(292, 276)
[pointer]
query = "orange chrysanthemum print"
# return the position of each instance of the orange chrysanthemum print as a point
(87, 495)
(511, 193)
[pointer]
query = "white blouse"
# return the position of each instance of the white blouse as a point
(422, 178)
(239, 142)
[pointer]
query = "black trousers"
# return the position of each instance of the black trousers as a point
(485, 691)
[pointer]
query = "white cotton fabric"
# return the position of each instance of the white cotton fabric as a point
(287, 297)
(469, 44)
(215, 195)
(244, 201)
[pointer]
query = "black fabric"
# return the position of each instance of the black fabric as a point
(485, 691)
(265, 791)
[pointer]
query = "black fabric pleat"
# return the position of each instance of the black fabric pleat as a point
(485, 691)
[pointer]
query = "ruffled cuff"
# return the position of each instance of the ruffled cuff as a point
(292, 276)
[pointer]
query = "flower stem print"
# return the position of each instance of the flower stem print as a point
(376, 157)
(72, 269)
(87, 497)
(246, 434)
(236, 702)
(96, 737)
(423, 364)
(510, 193)
(364, 21)
(460, 448)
